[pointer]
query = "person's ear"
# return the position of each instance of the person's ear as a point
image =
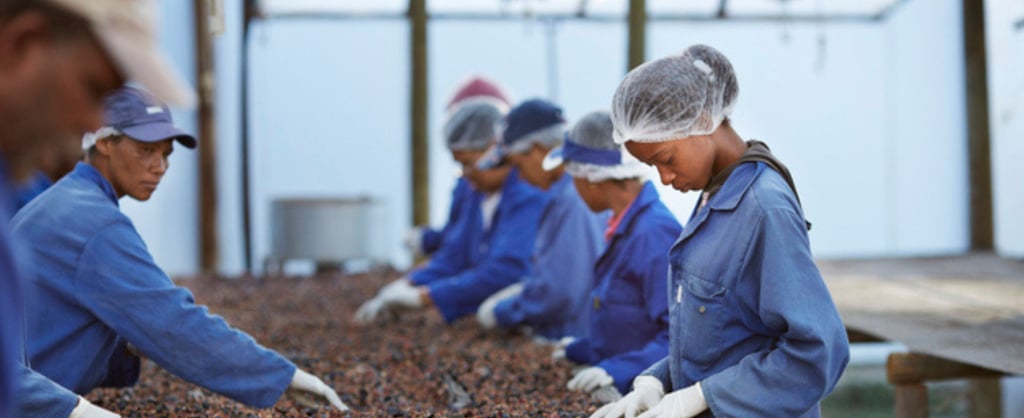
(105, 146)
(22, 39)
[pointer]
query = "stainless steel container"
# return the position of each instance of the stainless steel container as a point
(324, 230)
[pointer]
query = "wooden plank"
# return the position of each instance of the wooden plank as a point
(976, 321)
(911, 368)
(911, 401)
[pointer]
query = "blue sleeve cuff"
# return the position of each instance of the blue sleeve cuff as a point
(660, 371)
(504, 313)
(431, 241)
(579, 352)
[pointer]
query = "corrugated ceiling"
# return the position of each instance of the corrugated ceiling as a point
(598, 8)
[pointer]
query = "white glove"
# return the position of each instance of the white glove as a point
(413, 240)
(559, 352)
(485, 313)
(647, 392)
(397, 293)
(684, 403)
(85, 409)
(304, 383)
(590, 378)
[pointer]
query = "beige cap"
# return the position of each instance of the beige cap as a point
(127, 29)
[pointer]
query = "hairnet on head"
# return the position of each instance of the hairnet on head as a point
(590, 152)
(675, 97)
(535, 121)
(473, 126)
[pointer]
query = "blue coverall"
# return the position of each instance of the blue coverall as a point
(97, 288)
(751, 318)
(629, 314)
(555, 293)
(473, 263)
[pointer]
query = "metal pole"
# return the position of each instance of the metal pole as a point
(637, 33)
(420, 163)
(978, 149)
(208, 246)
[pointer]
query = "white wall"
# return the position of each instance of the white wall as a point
(1006, 115)
(872, 125)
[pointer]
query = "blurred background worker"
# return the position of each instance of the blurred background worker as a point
(489, 239)
(423, 239)
(58, 60)
(100, 297)
(552, 299)
(753, 329)
(629, 305)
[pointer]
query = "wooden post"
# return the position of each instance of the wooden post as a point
(420, 164)
(908, 372)
(911, 401)
(208, 244)
(248, 13)
(978, 149)
(637, 33)
(986, 398)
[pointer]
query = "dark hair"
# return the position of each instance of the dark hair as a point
(64, 23)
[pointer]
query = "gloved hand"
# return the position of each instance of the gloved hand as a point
(85, 409)
(647, 392)
(684, 403)
(485, 313)
(395, 294)
(413, 240)
(590, 378)
(559, 352)
(304, 384)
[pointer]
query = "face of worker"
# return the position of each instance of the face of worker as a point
(486, 181)
(685, 164)
(51, 92)
(530, 165)
(591, 194)
(135, 167)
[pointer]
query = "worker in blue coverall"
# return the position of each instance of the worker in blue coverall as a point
(101, 301)
(629, 310)
(552, 301)
(58, 60)
(423, 239)
(488, 243)
(753, 329)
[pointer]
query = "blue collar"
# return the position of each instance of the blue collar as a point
(89, 173)
(736, 185)
(572, 151)
(648, 195)
(558, 187)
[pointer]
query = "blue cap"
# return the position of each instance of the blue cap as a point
(142, 117)
(522, 122)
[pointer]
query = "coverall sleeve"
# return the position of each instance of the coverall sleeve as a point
(507, 260)
(625, 366)
(562, 269)
(118, 282)
(812, 348)
(661, 371)
(38, 396)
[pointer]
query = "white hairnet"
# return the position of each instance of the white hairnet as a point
(675, 97)
(90, 138)
(594, 131)
(473, 126)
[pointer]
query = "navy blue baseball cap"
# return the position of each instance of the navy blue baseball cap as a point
(535, 120)
(142, 117)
